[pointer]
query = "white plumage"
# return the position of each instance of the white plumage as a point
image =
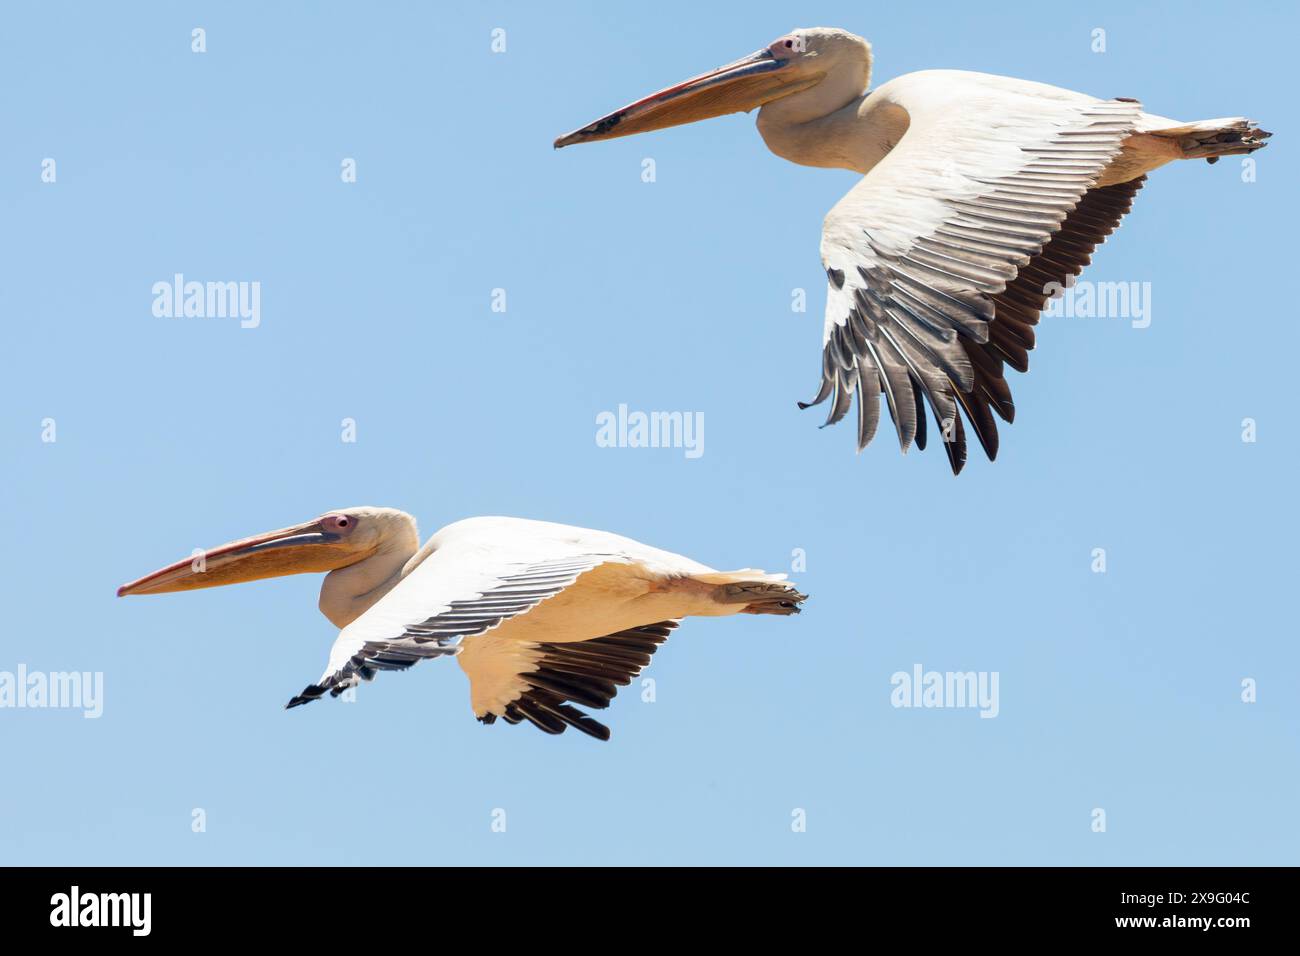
(981, 197)
(541, 616)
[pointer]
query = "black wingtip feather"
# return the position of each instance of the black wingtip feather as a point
(311, 692)
(920, 438)
(586, 672)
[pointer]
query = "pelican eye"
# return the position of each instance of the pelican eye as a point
(786, 47)
(338, 524)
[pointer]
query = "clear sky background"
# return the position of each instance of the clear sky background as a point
(1119, 691)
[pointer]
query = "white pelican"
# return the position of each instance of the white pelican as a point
(980, 196)
(540, 616)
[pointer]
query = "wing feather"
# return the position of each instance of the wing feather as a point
(515, 591)
(539, 681)
(941, 259)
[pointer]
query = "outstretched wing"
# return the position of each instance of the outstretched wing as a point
(435, 624)
(539, 682)
(473, 576)
(940, 260)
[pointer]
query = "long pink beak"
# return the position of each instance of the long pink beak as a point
(298, 549)
(735, 88)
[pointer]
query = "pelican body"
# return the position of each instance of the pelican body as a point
(981, 197)
(540, 616)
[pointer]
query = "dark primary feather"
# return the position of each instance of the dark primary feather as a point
(374, 656)
(585, 672)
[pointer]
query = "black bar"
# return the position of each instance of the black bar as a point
(323, 905)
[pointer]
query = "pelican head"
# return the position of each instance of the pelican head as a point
(335, 540)
(811, 71)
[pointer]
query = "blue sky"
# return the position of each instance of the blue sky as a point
(1119, 691)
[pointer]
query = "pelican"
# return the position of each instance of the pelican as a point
(981, 197)
(540, 616)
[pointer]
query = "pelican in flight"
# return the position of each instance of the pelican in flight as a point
(540, 616)
(981, 196)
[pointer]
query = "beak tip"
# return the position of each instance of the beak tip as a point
(584, 135)
(121, 592)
